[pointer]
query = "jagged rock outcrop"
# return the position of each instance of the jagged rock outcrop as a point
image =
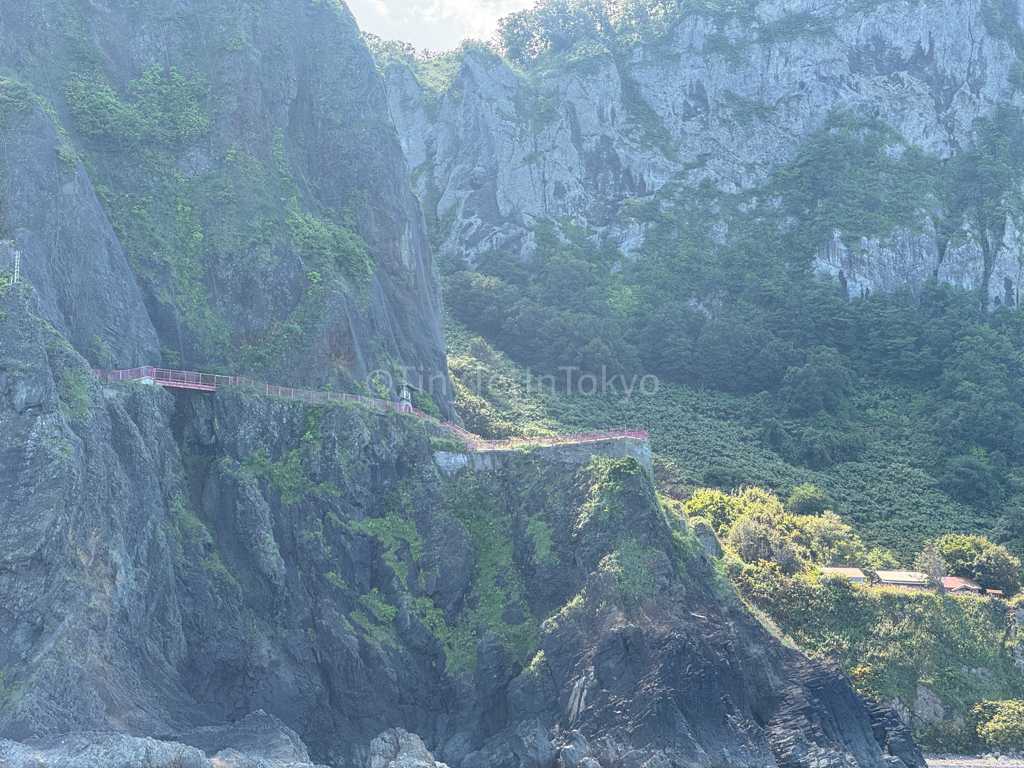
(910, 259)
(397, 748)
(174, 562)
(258, 741)
(726, 97)
(112, 750)
(91, 633)
(257, 737)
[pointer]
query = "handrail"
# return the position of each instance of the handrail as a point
(211, 382)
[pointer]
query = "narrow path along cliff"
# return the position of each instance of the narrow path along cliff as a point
(210, 382)
(276, 570)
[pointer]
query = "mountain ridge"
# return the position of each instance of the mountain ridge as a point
(726, 95)
(179, 563)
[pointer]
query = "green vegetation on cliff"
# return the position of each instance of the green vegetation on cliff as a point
(498, 589)
(937, 656)
(894, 643)
(858, 394)
(905, 410)
(824, 387)
(242, 213)
(181, 227)
(960, 649)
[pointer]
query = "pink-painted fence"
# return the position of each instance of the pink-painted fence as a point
(209, 382)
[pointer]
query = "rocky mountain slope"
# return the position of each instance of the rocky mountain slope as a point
(601, 121)
(224, 579)
(178, 561)
(240, 163)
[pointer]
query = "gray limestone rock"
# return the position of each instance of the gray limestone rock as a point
(706, 536)
(397, 748)
(70, 253)
(92, 749)
(928, 708)
(726, 99)
(874, 266)
(258, 741)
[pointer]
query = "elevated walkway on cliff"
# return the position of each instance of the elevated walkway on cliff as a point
(210, 382)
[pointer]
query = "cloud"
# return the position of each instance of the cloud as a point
(380, 7)
(434, 24)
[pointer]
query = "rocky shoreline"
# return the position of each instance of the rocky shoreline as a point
(967, 761)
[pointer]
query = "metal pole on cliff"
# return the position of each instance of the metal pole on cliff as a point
(17, 266)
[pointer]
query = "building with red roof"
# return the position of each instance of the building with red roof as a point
(955, 585)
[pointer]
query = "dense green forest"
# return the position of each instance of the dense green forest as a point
(928, 381)
(908, 407)
(892, 425)
(932, 379)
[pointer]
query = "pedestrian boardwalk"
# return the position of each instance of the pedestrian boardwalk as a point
(209, 382)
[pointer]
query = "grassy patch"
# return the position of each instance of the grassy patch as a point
(396, 531)
(447, 445)
(286, 476)
(608, 479)
(629, 564)
(498, 586)
(536, 665)
(382, 611)
(73, 391)
(377, 635)
(458, 641)
(543, 547)
(327, 245)
(647, 123)
(889, 641)
(186, 525)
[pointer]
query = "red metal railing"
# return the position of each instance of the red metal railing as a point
(210, 382)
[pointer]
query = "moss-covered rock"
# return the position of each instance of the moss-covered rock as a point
(180, 560)
(247, 171)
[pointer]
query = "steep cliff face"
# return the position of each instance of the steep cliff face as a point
(87, 561)
(71, 254)
(727, 96)
(246, 161)
(178, 561)
(222, 186)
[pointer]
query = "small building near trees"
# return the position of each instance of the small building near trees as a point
(955, 585)
(856, 575)
(902, 579)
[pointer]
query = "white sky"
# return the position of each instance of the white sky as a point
(437, 25)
